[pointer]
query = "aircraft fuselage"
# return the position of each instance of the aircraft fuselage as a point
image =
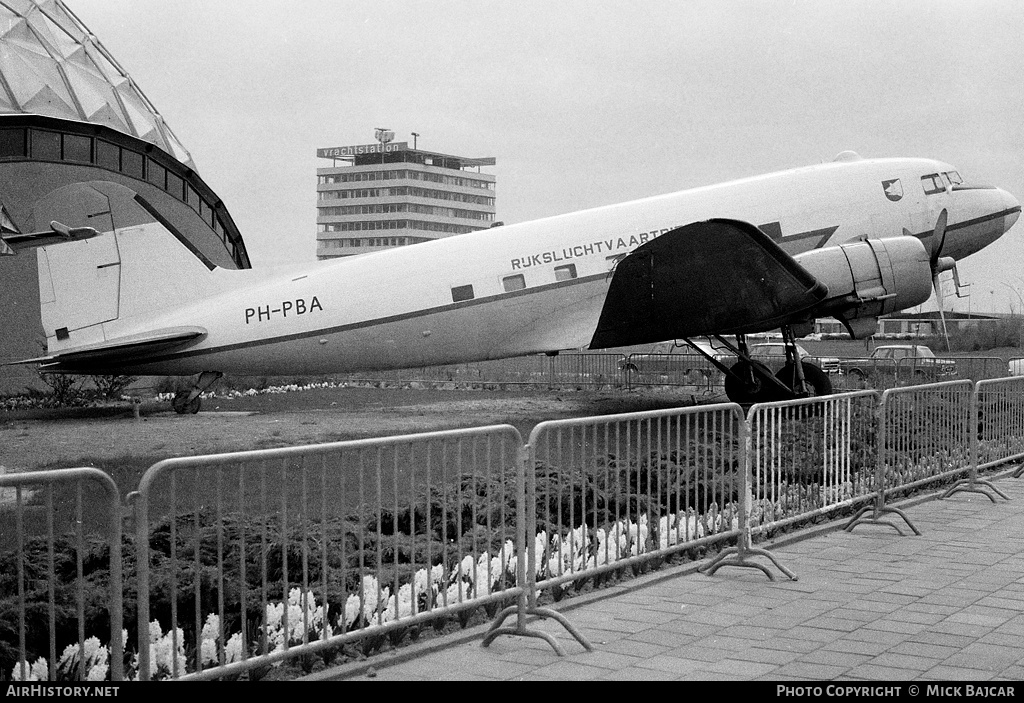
(533, 287)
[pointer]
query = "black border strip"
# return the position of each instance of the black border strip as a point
(173, 230)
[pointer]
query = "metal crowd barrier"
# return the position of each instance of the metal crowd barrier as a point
(612, 492)
(599, 370)
(1000, 417)
(249, 558)
(802, 458)
(60, 527)
(264, 555)
(925, 433)
(810, 457)
(979, 368)
(923, 436)
(998, 409)
(567, 369)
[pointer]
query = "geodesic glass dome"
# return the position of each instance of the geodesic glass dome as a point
(50, 64)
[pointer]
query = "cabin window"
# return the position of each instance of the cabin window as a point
(45, 145)
(932, 184)
(512, 283)
(565, 273)
(12, 143)
(460, 293)
(108, 155)
(77, 148)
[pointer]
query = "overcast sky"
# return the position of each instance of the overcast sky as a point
(582, 103)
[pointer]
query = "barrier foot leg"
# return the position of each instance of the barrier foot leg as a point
(980, 485)
(876, 519)
(521, 629)
(734, 556)
(1019, 472)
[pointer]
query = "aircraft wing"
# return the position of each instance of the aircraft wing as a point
(121, 351)
(714, 277)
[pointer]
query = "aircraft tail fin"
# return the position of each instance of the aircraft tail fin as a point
(134, 267)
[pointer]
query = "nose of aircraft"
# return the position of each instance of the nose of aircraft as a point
(1012, 207)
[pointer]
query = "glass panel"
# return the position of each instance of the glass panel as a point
(175, 186)
(565, 273)
(460, 293)
(77, 148)
(12, 143)
(511, 283)
(205, 212)
(132, 164)
(45, 145)
(193, 197)
(108, 155)
(156, 174)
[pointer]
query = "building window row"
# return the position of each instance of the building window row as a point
(395, 224)
(386, 208)
(400, 174)
(405, 191)
(47, 145)
(371, 242)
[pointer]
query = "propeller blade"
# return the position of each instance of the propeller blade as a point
(938, 239)
(942, 308)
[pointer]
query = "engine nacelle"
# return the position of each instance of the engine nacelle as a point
(872, 277)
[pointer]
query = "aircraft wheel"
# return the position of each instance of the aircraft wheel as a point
(749, 388)
(816, 380)
(183, 406)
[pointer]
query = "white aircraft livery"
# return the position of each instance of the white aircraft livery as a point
(142, 270)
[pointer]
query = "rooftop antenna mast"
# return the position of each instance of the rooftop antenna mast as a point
(383, 135)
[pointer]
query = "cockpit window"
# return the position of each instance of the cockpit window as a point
(953, 177)
(932, 184)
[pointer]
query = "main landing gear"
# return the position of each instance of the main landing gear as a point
(750, 381)
(188, 402)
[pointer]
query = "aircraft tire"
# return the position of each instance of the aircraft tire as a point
(183, 406)
(746, 392)
(817, 380)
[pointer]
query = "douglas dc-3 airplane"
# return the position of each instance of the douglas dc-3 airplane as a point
(151, 276)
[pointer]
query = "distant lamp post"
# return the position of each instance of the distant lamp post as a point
(1016, 315)
(383, 135)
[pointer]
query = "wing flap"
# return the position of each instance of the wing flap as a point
(121, 351)
(715, 277)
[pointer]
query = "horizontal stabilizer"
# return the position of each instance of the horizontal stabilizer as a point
(122, 351)
(10, 244)
(714, 277)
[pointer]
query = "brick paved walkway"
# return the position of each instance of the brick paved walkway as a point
(948, 605)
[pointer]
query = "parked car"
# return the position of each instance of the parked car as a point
(773, 354)
(916, 360)
(676, 361)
